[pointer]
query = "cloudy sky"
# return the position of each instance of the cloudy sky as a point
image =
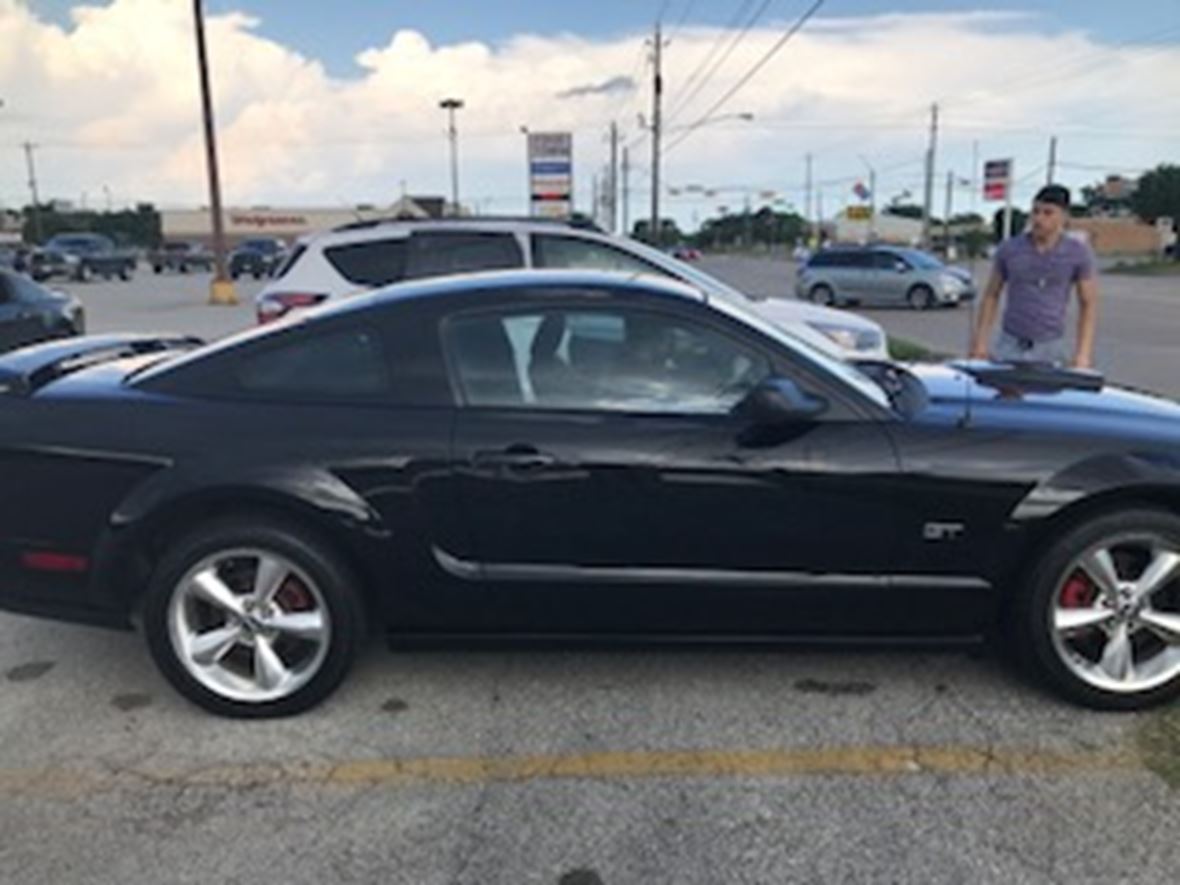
(334, 105)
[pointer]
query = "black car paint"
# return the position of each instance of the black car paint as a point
(630, 525)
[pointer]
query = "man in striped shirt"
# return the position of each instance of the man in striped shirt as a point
(1040, 269)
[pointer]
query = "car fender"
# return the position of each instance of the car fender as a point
(175, 497)
(1144, 475)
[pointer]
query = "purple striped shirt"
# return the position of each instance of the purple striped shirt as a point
(1039, 284)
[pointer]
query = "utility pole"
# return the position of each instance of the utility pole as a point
(807, 187)
(946, 221)
(32, 166)
(594, 198)
(657, 92)
(221, 290)
(614, 177)
(450, 105)
(626, 191)
(1008, 200)
(928, 200)
(1052, 171)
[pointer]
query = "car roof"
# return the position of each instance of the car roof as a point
(377, 229)
(458, 284)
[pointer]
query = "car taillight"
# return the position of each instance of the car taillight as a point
(275, 305)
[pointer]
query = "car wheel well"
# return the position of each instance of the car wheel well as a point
(185, 516)
(1092, 507)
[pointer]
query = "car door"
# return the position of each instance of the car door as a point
(887, 283)
(610, 486)
(20, 322)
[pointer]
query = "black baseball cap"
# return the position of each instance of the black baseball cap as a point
(1054, 194)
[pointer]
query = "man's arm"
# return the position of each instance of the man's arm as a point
(989, 306)
(1083, 357)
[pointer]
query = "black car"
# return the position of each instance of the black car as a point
(257, 258)
(30, 313)
(571, 455)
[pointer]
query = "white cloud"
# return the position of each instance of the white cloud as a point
(113, 101)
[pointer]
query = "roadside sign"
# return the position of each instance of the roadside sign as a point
(997, 179)
(858, 213)
(551, 173)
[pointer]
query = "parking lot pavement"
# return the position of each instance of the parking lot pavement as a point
(162, 303)
(1138, 325)
(517, 766)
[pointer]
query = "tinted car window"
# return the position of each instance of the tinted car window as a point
(551, 251)
(376, 263)
(821, 259)
(858, 260)
(437, 254)
(885, 260)
(602, 360)
(348, 363)
(24, 289)
(6, 287)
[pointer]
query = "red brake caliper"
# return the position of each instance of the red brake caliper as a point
(1078, 592)
(293, 596)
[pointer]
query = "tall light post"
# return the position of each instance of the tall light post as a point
(450, 105)
(221, 290)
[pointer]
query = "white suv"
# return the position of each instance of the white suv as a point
(373, 254)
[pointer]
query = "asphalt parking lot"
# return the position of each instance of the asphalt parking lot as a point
(572, 766)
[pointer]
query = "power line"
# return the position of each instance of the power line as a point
(716, 45)
(749, 75)
(689, 95)
(688, 8)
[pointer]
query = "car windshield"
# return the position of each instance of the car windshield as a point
(266, 246)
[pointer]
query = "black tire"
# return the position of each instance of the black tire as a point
(257, 275)
(822, 294)
(334, 580)
(125, 274)
(1028, 617)
(84, 273)
(183, 268)
(921, 297)
(157, 268)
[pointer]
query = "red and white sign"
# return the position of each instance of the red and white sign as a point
(997, 179)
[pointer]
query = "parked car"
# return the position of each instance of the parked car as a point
(366, 255)
(550, 454)
(180, 256)
(82, 256)
(257, 258)
(15, 257)
(685, 253)
(882, 275)
(30, 313)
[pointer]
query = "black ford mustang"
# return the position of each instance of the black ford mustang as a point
(572, 455)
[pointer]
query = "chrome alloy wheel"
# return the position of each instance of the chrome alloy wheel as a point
(249, 625)
(1115, 614)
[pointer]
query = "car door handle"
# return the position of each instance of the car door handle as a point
(515, 457)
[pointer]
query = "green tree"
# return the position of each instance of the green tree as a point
(1019, 221)
(1158, 193)
(670, 233)
(128, 227)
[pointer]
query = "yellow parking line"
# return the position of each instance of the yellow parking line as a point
(611, 765)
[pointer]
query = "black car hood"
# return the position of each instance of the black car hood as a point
(1109, 410)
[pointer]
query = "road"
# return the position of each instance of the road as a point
(1139, 322)
(567, 767)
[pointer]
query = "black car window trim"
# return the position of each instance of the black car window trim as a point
(781, 363)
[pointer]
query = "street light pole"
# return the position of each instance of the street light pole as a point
(450, 105)
(872, 199)
(221, 290)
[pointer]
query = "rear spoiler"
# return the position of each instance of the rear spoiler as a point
(25, 370)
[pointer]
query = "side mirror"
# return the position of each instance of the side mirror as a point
(779, 400)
